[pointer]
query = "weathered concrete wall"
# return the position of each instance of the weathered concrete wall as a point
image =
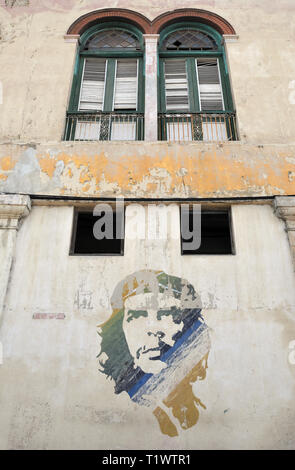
(12, 209)
(144, 169)
(52, 394)
(37, 64)
(233, 384)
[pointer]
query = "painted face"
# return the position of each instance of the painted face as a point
(150, 322)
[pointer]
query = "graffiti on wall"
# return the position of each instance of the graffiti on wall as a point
(155, 345)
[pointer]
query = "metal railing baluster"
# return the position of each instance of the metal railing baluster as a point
(93, 126)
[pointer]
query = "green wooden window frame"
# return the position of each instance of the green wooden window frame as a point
(111, 57)
(190, 58)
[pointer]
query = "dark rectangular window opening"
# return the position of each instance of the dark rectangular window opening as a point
(216, 233)
(85, 243)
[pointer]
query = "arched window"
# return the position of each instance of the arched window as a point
(107, 99)
(194, 94)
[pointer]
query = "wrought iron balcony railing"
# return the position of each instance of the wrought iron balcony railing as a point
(89, 126)
(212, 126)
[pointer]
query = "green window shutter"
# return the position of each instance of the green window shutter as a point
(210, 89)
(92, 85)
(176, 85)
(125, 92)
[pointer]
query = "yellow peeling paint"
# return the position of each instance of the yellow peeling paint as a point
(91, 167)
(171, 171)
(85, 177)
(7, 164)
(3, 177)
(207, 173)
(47, 165)
(86, 188)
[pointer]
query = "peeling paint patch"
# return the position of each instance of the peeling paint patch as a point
(7, 163)
(147, 170)
(86, 188)
(85, 176)
(47, 165)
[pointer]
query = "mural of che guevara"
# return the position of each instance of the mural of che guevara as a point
(155, 345)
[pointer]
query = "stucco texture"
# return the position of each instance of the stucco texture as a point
(54, 397)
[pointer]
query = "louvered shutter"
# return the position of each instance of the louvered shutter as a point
(125, 95)
(176, 85)
(210, 90)
(92, 87)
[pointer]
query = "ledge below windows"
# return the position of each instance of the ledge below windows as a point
(91, 169)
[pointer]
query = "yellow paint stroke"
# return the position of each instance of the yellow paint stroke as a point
(165, 423)
(182, 401)
(3, 177)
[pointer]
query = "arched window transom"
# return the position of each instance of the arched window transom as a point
(114, 40)
(189, 40)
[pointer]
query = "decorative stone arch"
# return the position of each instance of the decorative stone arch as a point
(189, 14)
(147, 26)
(109, 14)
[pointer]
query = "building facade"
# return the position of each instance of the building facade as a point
(137, 122)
